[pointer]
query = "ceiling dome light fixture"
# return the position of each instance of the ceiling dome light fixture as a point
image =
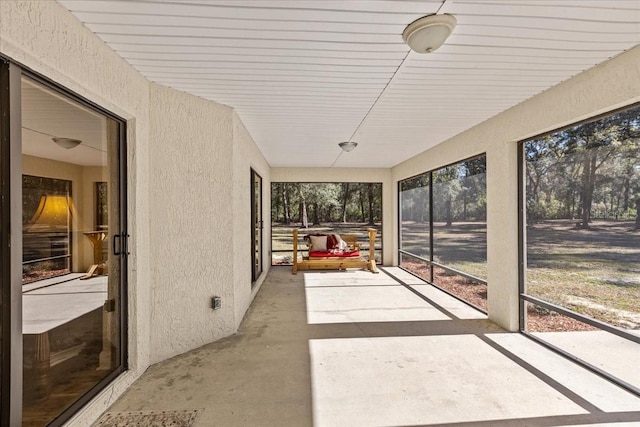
(67, 142)
(348, 145)
(426, 34)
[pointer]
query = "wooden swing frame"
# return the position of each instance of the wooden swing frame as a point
(336, 262)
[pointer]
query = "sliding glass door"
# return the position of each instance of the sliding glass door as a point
(69, 270)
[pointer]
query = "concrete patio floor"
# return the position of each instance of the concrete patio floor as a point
(357, 349)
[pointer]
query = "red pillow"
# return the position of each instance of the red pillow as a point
(332, 241)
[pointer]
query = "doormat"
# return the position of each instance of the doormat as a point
(185, 418)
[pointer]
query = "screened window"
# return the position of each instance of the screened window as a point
(346, 208)
(582, 200)
(460, 216)
(415, 225)
(443, 228)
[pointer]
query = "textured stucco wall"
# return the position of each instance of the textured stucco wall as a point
(613, 84)
(48, 39)
(247, 156)
(389, 245)
(45, 37)
(183, 169)
(191, 221)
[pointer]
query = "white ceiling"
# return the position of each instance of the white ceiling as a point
(304, 75)
(46, 114)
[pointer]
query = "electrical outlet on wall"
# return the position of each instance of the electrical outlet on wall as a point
(216, 303)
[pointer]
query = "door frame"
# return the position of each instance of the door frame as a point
(256, 272)
(11, 237)
(11, 351)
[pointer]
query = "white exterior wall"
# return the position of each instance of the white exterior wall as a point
(190, 218)
(608, 86)
(389, 240)
(182, 166)
(45, 37)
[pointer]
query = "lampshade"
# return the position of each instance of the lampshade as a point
(53, 212)
(426, 34)
(67, 142)
(348, 145)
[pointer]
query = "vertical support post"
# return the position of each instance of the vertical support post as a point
(372, 243)
(372, 249)
(294, 269)
(502, 225)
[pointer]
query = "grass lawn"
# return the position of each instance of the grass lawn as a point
(594, 271)
(461, 245)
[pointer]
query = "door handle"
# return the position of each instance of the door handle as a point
(121, 244)
(116, 238)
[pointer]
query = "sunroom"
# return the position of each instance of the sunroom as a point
(156, 156)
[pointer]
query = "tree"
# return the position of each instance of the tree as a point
(346, 193)
(315, 202)
(321, 195)
(473, 195)
(303, 191)
(596, 142)
(285, 204)
(588, 169)
(446, 187)
(414, 198)
(371, 198)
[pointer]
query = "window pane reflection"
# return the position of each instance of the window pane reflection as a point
(71, 283)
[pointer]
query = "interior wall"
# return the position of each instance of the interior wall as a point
(80, 245)
(90, 175)
(352, 175)
(247, 156)
(613, 84)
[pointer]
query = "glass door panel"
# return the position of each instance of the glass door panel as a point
(71, 282)
(256, 221)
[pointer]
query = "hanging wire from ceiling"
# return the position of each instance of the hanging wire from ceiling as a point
(374, 103)
(386, 86)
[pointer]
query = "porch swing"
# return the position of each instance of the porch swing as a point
(332, 251)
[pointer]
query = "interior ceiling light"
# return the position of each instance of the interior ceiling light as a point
(67, 142)
(426, 34)
(348, 145)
